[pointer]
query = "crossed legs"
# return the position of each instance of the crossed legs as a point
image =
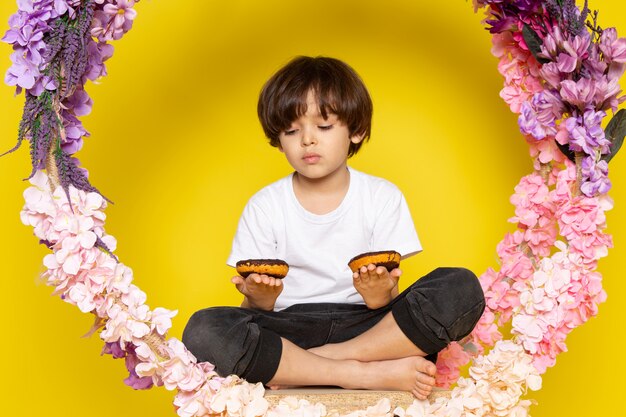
(381, 358)
(374, 349)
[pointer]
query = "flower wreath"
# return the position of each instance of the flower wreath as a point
(561, 73)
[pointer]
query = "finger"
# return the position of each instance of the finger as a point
(381, 271)
(395, 275)
(279, 282)
(371, 271)
(356, 276)
(364, 274)
(255, 277)
(265, 279)
(239, 282)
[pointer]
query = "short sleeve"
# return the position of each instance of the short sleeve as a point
(394, 228)
(254, 238)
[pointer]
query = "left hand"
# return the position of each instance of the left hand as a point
(376, 285)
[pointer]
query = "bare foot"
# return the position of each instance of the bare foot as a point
(413, 374)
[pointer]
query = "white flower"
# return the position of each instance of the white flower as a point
(161, 320)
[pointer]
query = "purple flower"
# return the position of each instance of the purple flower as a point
(28, 26)
(567, 52)
(586, 133)
(43, 83)
(98, 53)
(23, 72)
(579, 93)
(549, 45)
(113, 349)
(578, 46)
(593, 67)
(613, 49)
(566, 63)
(131, 360)
(550, 72)
(21, 33)
(595, 177)
(79, 103)
(505, 14)
(538, 117)
(114, 20)
(133, 380)
(607, 90)
(74, 133)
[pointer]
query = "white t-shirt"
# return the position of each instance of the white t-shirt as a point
(373, 216)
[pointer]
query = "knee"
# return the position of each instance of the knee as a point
(467, 287)
(451, 301)
(458, 284)
(467, 294)
(205, 332)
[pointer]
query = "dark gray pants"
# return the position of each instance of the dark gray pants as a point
(437, 309)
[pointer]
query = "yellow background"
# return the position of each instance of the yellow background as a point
(176, 144)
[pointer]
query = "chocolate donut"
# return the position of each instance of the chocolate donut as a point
(389, 259)
(272, 267)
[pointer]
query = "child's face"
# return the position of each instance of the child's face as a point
(316, 147)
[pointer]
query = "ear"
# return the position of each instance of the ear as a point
(356, 138)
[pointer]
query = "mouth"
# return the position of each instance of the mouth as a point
(311, 158)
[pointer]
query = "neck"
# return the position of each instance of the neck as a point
(321, 195)
(337, 181)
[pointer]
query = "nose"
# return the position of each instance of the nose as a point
(308, 137)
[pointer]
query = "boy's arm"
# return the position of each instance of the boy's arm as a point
(376, 285)
(260, 291)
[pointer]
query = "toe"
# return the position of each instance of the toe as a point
(427, 389)
(427, 367)
(425, 379)
(419, 394)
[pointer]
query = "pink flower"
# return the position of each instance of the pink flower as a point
(531, 190)
(180, 371)
(122, 327)
(613, 48)
(502, 377)
(240, 398)
(194, 403)
(114, 20)
(515, 264)
(486, 332)
(541, 237)
(579, 93)
(120, 12)
(531, 329)
(520, 71)
(544, 150)
(502, 43)
(449, 361)
(580, 216)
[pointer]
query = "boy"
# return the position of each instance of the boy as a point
(324, 325)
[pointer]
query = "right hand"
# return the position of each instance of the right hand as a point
(260, 291)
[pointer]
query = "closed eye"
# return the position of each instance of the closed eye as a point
(327, 127)
(290, 132)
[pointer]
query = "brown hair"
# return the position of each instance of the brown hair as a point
(338, 90)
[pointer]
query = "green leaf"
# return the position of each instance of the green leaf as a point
(566, 151)
(533, 41)
(615, 132)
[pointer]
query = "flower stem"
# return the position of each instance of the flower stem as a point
(579, 173)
